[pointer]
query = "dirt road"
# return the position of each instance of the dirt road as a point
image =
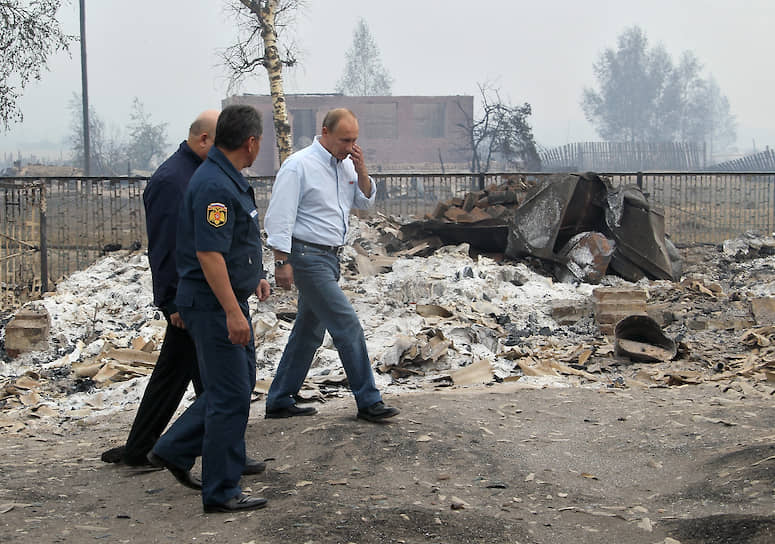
(488, 464)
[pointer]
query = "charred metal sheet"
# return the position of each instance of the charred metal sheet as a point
(639, 232)
(555, 212)
(586, 210)
(537, 222)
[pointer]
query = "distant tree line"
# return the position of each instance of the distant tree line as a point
(141, 146)
(643, 96)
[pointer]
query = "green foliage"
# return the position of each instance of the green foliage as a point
(29, 35)
(364, 74)
(644, 97)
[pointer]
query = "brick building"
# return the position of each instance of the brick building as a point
(397, 133)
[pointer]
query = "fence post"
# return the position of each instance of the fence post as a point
(639, 180)
(43, 240)
(481, 181)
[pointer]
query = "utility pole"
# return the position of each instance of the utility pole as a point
(84, 93)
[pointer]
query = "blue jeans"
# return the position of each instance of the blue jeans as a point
(214, 425)
(322, 306)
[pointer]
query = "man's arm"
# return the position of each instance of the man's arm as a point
(162, 200)
(217, 276)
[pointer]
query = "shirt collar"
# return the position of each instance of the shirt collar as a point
(323, 153)
(185, 148)
(217, 156)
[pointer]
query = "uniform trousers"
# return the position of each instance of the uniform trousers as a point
(175, 368)
(214, 425)
(322, 306)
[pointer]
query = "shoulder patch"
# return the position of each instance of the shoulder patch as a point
(216, 214)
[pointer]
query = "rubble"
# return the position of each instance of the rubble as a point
(444, 320)
(578, 222)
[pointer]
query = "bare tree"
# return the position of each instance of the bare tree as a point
(113, 152)
(502, 131)
(29, 35)
(107, 148)
(260, 23)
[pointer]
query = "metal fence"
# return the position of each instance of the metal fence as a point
(51, 227)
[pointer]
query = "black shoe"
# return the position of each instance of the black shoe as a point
(236, 504)
(253, 467)
(136, 460)
(183, 476)
(290, 411)
(377, 412)
(113, 455)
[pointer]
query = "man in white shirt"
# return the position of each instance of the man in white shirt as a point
(306, 223)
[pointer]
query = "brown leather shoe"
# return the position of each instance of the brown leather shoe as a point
(236, 504)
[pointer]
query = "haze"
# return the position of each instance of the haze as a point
(166, 54)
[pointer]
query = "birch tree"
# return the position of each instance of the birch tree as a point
(260, 24)
(29, 35)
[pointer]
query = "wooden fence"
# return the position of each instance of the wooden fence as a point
(623, 157)
(757, 162)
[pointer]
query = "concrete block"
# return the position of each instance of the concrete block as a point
(611, 294)
(567, 312)
(27, 331)
(612, 304)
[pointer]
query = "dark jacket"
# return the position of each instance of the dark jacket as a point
(162, 198)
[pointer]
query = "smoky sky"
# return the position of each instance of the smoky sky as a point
(166, 53)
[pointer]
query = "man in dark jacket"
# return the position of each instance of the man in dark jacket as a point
(220, 266)
(177, 365)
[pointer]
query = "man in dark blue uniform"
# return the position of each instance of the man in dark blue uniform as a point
(219, 264)
(176, 366)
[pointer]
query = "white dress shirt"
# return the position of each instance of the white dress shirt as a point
(311, 200)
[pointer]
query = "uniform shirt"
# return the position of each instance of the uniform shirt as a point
(311, 200)
(218, 214)
(161, 198)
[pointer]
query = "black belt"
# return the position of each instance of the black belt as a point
(331, 249)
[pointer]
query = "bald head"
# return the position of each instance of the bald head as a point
(201, 134)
